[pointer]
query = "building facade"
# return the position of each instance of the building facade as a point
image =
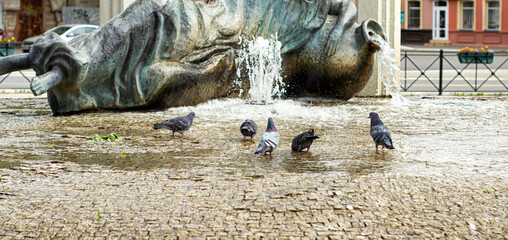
(455, 22)
(25, 18)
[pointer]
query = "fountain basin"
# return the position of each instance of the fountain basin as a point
(447, 136)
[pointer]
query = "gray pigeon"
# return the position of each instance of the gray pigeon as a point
(248, 128)
(303, 140)
(379, 132)
(177, 124)
(269, 140)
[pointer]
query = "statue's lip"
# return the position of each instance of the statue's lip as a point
(371, 28)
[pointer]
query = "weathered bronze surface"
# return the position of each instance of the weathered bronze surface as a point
(159, 54)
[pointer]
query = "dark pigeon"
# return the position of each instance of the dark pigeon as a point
(303, 140)
(269, 140)
(248, 128)
(177, 124)
(379, 132)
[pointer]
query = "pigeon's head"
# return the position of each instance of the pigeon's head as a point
(374, 118)
(271, 125)
(191, 115)
(311, 132)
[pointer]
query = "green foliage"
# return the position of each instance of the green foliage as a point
(112, 137)
(99, 216)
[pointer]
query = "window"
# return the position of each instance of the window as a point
(467, 15)
(413, 14)
(440, 3)
(493, 15)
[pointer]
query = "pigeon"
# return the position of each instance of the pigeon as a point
(303, 140)
(177, 124)
(249, 128)
(379, 132)
(269, 140)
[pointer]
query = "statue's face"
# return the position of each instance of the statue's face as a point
(222, 18)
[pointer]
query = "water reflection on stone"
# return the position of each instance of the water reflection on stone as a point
(446, 135)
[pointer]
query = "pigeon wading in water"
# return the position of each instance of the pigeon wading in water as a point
(269, 140)
(379, 132)
(303, 140)
(177, 124)
(248, 129)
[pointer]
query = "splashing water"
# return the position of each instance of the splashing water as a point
(389, 69)
(263, 61)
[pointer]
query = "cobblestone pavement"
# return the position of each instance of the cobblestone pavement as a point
(446, 179)
(64, 200)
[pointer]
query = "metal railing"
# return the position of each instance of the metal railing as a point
(442, 70)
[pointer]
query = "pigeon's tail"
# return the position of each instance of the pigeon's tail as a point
(388, 144)
(246, 132)
(262, 149)
(248, 128)
(266, 146)
(160, 126)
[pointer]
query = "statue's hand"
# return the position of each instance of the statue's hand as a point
(52, 59)
(37, 86)
(43, 83)
(333, 42)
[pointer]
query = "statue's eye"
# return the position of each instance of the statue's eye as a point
(211, 2)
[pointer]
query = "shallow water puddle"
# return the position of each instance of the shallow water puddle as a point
(446, 135)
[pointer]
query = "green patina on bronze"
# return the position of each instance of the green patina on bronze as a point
(159, 54)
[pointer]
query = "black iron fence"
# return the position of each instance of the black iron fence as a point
(451, 71)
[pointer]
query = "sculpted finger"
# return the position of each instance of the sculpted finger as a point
(334, 48)
(330, 48)
(327, 49)
(45, 82)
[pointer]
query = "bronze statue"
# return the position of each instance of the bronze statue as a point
(164, 53)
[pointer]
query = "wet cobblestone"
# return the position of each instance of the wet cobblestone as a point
(64, 200)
